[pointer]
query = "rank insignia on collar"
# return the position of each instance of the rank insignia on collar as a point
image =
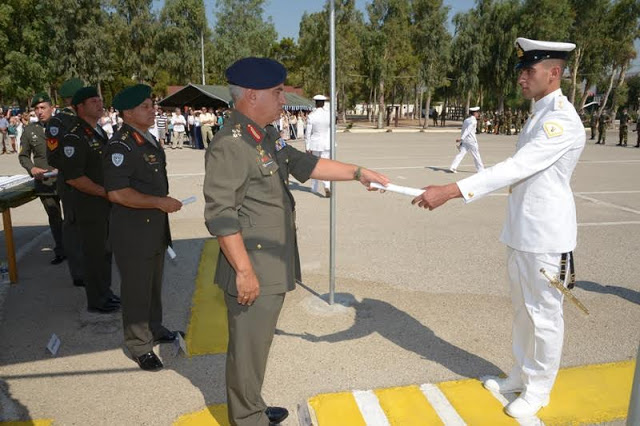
(139, 139)
(88, 131)
(237, 131)
(255, 134)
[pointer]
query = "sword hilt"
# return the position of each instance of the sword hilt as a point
(553, 281)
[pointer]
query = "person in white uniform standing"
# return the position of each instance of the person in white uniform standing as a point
(468, 142)
(317, 138)
(540, 230)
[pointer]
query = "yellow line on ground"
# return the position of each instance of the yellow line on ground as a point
(475, 404)
(590, 394)
(336, 409)
(207, 332)
(407, 406)
(46, 422)
(213, 415)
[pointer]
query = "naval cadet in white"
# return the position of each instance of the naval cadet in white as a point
(468, 142)
(540, 228)
(318, 139)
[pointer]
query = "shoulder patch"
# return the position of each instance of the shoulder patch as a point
(117, 159)
(552, 129)
(54, 131)
(255, 134)
(69, 151)
(280, 144)
(119, 142)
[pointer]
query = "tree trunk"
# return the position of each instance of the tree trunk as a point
(372, 100)
(574, 75)
(467, 104)
(420, 109)
(585, 93)
(427, 107)
(606, 96)
(344, 106)
(381, 106)
(623, 72)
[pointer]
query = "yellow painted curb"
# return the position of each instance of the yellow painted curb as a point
(475, 404)
(43, 422)
(213, 415)
(590, 394)
(208, 332)
(336, 409)
(407, 406)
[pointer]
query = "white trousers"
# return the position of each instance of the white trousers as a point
(538, 321)
(475, 152)
(315, 184)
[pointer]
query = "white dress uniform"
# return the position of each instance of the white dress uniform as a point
(468, 143)
(317, 138)
(540, 226)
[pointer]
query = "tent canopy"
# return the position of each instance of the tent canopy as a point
(198, 96)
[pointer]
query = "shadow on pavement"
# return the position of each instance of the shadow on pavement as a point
(9, 407)
(632, 296)
(378, 316)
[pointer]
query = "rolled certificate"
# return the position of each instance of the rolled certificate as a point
(189, 200)
(50, 174)
(404, 190)
(172, 254)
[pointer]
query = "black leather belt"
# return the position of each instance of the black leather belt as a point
(563, 269)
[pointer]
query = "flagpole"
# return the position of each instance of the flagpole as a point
(332, 202)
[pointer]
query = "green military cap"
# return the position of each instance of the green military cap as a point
(70, 87)
(83, 94)
(39, 98)
(132, 96)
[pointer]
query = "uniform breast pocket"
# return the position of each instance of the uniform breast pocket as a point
(268, 167)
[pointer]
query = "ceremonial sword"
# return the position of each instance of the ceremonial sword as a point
(560, 286)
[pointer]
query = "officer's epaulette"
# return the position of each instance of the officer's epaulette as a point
(119, 142)
(560, 103)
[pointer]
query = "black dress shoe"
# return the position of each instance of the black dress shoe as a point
(114, 298)
(58, 260)
(78, 283)
(170, 337)
(107, 308)
(276, 414)
(149, 362)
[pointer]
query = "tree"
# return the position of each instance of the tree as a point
(241, 30)
(431, 42)
(183, 25)
(467, 54)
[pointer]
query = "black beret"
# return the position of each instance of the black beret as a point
(39, 98)
(130, 97)
(256, 73)
(84, 94)
(70, 87)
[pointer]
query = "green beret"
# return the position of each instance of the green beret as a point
(84, 94)
(70, 87)
(130, 97)
(39, 98)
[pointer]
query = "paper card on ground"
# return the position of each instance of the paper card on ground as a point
(54, 344)
(180, 345)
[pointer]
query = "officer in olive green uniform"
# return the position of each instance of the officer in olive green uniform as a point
(251, 211)
(135, 178)
(33, 143)
(57, 127)
(81, 166)
(624, 128)
(593, 122)
(603, 121)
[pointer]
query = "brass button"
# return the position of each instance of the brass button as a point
(287, 161)
(156, 170)
(259, 246)
(147, 220)
(470, 195)
(271, 172)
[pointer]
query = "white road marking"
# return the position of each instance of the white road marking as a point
(23, 250)
(370, 408)
(441, 404)
(607, 204)
(630, 222)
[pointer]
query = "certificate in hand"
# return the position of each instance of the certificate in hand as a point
(404, 190)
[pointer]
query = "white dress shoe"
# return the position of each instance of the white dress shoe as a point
(521, 408)
(453, 171)
(507, 385)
